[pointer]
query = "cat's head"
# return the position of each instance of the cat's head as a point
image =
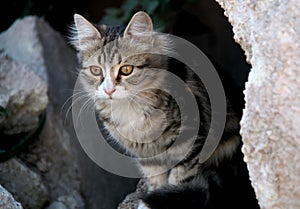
(119, 62)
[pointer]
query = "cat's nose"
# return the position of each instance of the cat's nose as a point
(109, 92)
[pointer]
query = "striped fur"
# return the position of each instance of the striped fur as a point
(143, 118)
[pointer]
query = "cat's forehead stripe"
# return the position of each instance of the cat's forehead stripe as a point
(112, 56)
(109, 52)
(111, 33)
(101, 56)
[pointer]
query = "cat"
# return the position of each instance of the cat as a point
(130, 90)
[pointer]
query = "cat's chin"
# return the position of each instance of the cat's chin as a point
(112, 99)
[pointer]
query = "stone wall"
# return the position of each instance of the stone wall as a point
(35, 67)
(7, 201)
(268, 31)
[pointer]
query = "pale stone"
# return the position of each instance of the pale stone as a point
(23, 77)
(132, 200)
(21, 42)
(23, 94)
(7, 201)
(46, 56)
(268, 31)
(57, 205)
(52, 153)
(73, 201)
(26, 185)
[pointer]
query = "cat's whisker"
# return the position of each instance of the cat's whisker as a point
(73, 95)
(134, 100)
(68, 101)
(150, 91)
(154, 94)
(74, 73)
(146, 99)
(91, 101)
(138, 94)
(73, 90)
(74, 102)
(84, 106)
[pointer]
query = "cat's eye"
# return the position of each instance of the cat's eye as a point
(96, 70)
(126, 70)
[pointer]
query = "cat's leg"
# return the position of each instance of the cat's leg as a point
(183, 172)
(155, 175)
(155, 182)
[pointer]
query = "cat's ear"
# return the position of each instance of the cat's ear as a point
(86, 33)
(139, 24)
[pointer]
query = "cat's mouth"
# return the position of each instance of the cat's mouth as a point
(112, 97)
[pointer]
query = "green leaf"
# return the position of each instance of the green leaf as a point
(129, 5)
(150, 6)
(27, 8)
(3, 112)
(112, 16)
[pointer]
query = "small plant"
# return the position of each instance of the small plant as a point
(36, 7)
(3, 113)
(160, 11)
(12, 145)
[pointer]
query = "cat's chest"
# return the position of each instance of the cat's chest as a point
(133, 123)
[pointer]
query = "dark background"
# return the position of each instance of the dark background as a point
(200, 21)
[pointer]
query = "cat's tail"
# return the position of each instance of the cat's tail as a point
(196, 194)
(207, 191)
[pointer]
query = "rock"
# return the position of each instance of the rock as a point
(31, 50)
(52, 154)
(45, 51)
(131, 201)
(268, 31)
(23, 77)
(57, 205)
(21, 42)
(7, 201)
(26, 185)
(23, 93)
(72, 201)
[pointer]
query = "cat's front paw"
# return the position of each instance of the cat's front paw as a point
(142, 205)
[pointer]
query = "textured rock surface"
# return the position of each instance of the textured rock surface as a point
(68, 202)
(52, 156)
(52, 153)
(7, 201)
(46, 172)
(57, 205)
(26, 185)
(21, 42)
(131, 201)
(268, 31)
(23, 77)
(23, 93)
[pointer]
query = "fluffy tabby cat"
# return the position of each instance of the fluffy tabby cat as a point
(128, 88)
